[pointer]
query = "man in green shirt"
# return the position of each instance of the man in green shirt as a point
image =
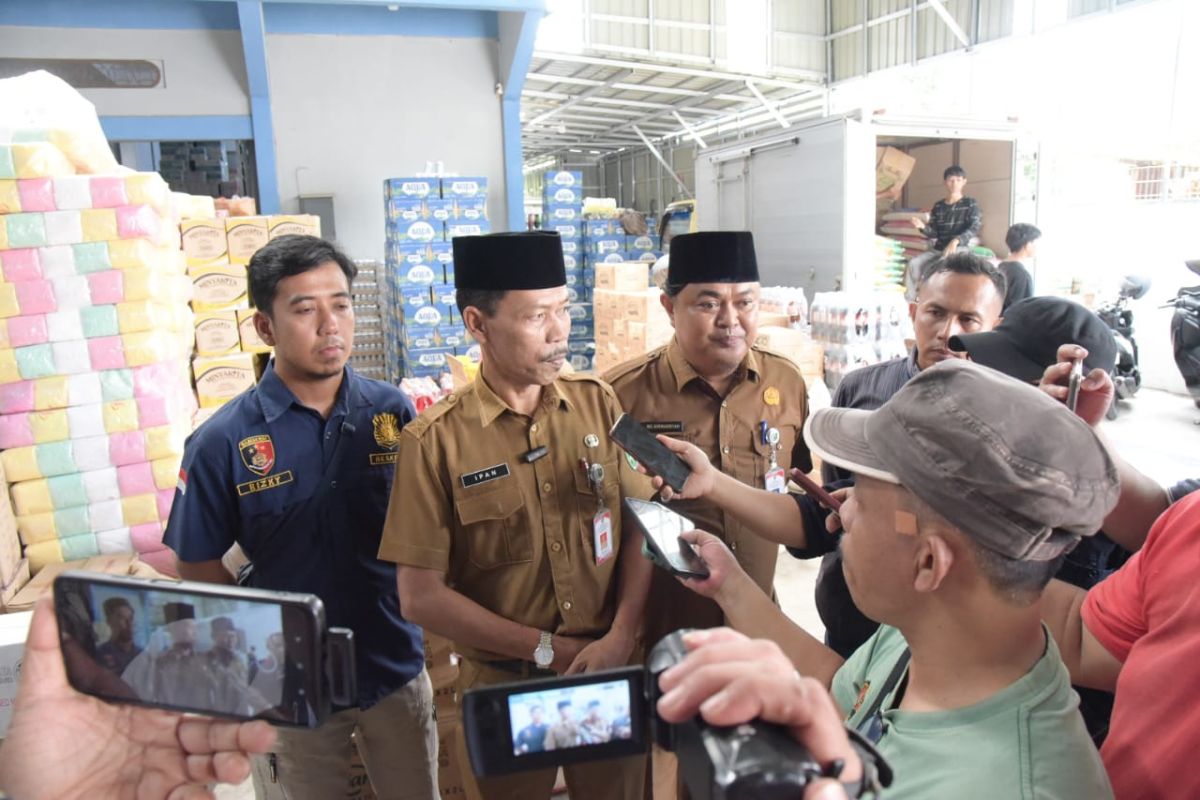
(970, 489)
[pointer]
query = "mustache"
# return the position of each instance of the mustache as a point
(559, 353)
(335, 341)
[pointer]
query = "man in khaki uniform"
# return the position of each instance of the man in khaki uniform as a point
(565, 732)
(506, 525)
(742, 405)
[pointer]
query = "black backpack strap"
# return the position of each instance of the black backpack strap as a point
(892, 679)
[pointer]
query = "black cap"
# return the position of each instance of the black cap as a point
(509, 261)
(1026, 342)
(173, 612)
(712, 257)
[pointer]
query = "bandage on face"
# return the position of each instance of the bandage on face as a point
(905, 523)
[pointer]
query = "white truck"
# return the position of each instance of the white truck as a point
(808, 192)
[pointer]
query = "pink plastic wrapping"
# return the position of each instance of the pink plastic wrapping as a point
(36, 297)
(127, 448)
(15, 431)
(24, 331)
(134, 479)
(108, 192)
(20, 265)
(37, 194)
(107, 287)
(106, 352)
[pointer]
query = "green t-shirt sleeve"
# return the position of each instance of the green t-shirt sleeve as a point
(870, 664)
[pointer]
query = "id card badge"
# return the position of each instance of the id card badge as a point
(602, 535)
(775, 481)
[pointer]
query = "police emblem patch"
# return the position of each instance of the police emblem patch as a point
(258, 453)
(387, 430)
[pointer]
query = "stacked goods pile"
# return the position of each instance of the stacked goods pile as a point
(562, 204)
(898, 226)
(229, 353)
(421, 325)
(367, 357)
(858, 329)
(629, 316)
(889, 263)
(95, 335)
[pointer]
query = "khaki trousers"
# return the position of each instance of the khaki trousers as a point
(396, 738)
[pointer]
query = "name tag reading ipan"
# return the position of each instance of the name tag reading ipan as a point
(484, 475)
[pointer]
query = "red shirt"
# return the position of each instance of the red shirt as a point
(1147, 615)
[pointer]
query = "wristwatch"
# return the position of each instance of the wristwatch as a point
(543, 654)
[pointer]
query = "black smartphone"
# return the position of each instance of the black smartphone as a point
(635, 439)
(1073, 384)
(203, 648)
(545, 723)
(818, 492)
(662, 527)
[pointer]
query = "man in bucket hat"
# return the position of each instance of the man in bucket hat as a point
(970, 489)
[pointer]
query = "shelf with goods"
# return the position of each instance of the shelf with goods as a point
(420, 320)
(95, 335)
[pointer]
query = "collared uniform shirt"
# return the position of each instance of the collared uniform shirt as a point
(515, 535)
(305, 497)
(662, 391)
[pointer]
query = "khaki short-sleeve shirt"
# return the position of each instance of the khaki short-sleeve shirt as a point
(663, 392)
(512, 533)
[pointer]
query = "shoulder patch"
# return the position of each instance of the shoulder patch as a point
(427, 418)
(778, 360)
(632, 365)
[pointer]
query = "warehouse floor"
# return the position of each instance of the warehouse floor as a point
(1157, 432)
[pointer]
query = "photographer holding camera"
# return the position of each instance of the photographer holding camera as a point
(970, 489)
(63, 745)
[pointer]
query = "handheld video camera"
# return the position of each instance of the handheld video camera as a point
(203, 648)
(611, 714)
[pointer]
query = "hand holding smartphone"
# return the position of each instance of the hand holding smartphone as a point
(661, 528)
(217, 650)
(812, 489)
(1073, 383)
(635, 439)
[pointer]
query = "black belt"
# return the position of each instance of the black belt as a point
(519, 666)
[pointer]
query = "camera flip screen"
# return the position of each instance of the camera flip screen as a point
(570, 717)
(191, 651)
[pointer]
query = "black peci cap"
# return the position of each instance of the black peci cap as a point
(712, 257)
(509, 261)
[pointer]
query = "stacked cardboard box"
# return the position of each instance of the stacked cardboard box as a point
(629, 316)
(226, 342)
(94, 340)
(421, 324)
(796, 345)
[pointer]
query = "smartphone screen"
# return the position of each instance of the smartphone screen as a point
(662, 528)
(221, 651)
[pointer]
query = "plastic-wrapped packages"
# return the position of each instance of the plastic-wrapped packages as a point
(21, 264)
(33, 160)
(94, 453)
(42, 107)
(25, 230)
(10, 197)
(37, 194)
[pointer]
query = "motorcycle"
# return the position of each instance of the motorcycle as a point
(1118, 316)
(1185, 333)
